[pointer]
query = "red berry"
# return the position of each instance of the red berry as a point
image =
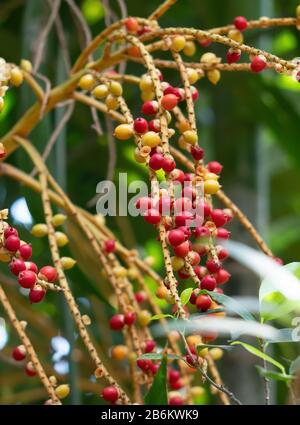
(17, 266)
(48, 273)
(110, 394)
(241, 23)
(182, 250)
(154, 125)
(165, 205)
(223, 233)
(149, 346)
(212, 266)
(143, 204)
(205, 42)
(29, 370)
(10, 231)
(222, 253)
(154, 368)
(25, 251)
(140, 125)
(214, 167)
(222, 276)
(2, 152)
(144, 365)
(193, 297)
(197, 153)
(156, 161)
(129, 318)
(117, 322)
(150, 107)
(152, 216)
(132, 25)
(144, 30)
(176, 401)
(168, 165)
(201, 232)
(233, 55)
(140, 296)
(19, 353)
(27, 279)
(169, 101)
(183, 275)
(258, 64)
(208, 283)
(183, 218)
(12, 243)
(36, 294)
(173, 375)
(203, 302)
(195, 93)
(109, 246)
(218, 217)
(194, 258)
(31, 266)
(176, 237)
(177, 385)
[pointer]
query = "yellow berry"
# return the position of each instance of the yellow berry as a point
(182, 143)
(120, 272)
(150, 260)
(216, 353)
(61, 239)
(147, 96)
(203, 353)
(146, 83)
(112, 102)
(138, 157)
(1, 104)
(100, 91)
(151, 139)
(132, 273)
(236, 35)
(67, 263)
(208, 57)
(177, 263)
(194, 340)
(16, 77)
(123, 132)
(62, 391)
(190, 137)
(183, 126)
(119, 352)
(214, 76)
(178, 43)
(211, 176)
(144, 318)
(87, 82)
(298, 11)
(197, 391)
(189, 48)
(193, 75)
(115, 88)
(39, 230)
(211, 187)
(26, 65)
(162, 292)
(58, 219)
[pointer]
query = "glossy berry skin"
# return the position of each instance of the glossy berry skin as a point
(169, 101)
(31, 266)
(150, 107)
(208, 283)
(144, 365)
(117, 322)
(110, 394)
(223, 233)
(168, 165)
(140, 296)
(176, 237)
(27, 279)
(149, 346)
(201, 232)
(241, 23)
(154, 125)
(222, 253)
(213, 266)
(182, 250)
(173, 375)
(156, 161)
(25, 251)
(10, 231)
(29, 370)
(193, 297)
(49, 273)
(132, 25)
(129, 318)
(176, 401)
(197, 153)
(152, 216)
(258, 64)
(17, 266)
(19, 353)
(203, 302)
(110, 246)
(218, 217)
(12, 243)
(214, 167)
(36, 294)
(177, 385)
(222, 276)
(140, 125)
(233, 56)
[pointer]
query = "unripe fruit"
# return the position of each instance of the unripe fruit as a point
(115, 88)
(190, 137)
(67, 263)
(109, 246)
(36, 294)
(144, 318)
(30, 370)
(298, 12)
(241, 23)
(151, 139)
(112, 102)
(150, 108)
(134, 51)
(189, 48)
(169, 101)
(19, 353)
(147, 96)
(208, 57)
(25, 251)
(48, 273)
(146, 83)
(100, 91)
(152, 216)
(193, 75)
(39, 230)
(16, 266)
(129, 318)
(156, 161)
(27, 279)
(162, 292)
(182, 250)
(61, 239)
(216, 353)
(211, 187)
(214, 167)
(203, 302)
(26, 65)
(236, 35)
(12, 243)
(208, 283)
(132, 25)
(149, 346)
(119, 352)
(140, 125)
(258, 63)
(110, 394)
(123, 132)
(62, 391)
(178, 43)
(214, 76)
(117, 323)
(2, 104)
(233, 55)
(176, 237)
(86, 82)
(197, 391)
(16, 77)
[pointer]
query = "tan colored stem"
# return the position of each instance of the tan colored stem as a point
(161, 10)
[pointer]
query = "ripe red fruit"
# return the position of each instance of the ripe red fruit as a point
(27, 279)
(154, 368)
(48, 273)
(168, 165)
(241, 23)
(223, 233)
(110, 394)
(233, 55)
(154, 125)
(140, 296)
(194, 296)
(218, 217)
(19, 353)
(197, 153)
(176, 401)
(258, 63)
(183, 275)
(29, 370)
(150, 107)
(176, 237)
(183, 218)
(25, 251)
(2, 152)
(222, 276)
(117, 322)
(194, 258)
(140, 125)
(17, 266)
(182, 250)
(208, 283)
(144, 365)
(31, 266)
(203, 302)
(12, 243)
(36, 294)
(201, 232)
(129, 318)
(165, 205)
(143, 204)
(10, 231)
(109, 246)
(177, 385)
(149, 346)
(212, 266)
(215, 167)
(195, 93)
(156, 161)
(205, 42)
(169, 101)
(132, 25)
(173, 375)
(222, 253)
(144, 30)
(152, 216)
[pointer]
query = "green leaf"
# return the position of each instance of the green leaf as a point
(158, 394)
(159, 356)
(223, 347)
(260, 354)
(275, 376)
(161, 316)
(295, 366)
(185, 296)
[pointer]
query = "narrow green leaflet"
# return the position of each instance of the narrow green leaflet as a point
(159, 356)
(162, 316)
(158, 394)
(185, 296)
(222, 347)
(260, 354)
(275, 376)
